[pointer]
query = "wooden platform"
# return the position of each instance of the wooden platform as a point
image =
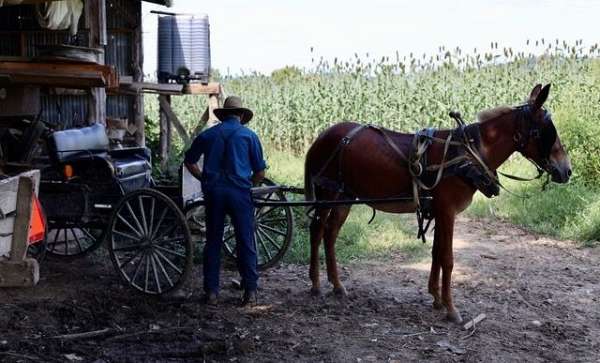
(58, 74)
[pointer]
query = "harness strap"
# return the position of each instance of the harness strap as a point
(391, 143)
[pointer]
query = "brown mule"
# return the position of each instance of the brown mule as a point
(369, 167)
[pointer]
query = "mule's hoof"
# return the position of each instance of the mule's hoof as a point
(437, 305)
(340, 292)
(454, 317)
(315, 291)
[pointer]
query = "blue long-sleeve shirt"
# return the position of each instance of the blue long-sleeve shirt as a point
(232, 153)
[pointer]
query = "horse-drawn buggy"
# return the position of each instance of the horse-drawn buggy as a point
(92, 194)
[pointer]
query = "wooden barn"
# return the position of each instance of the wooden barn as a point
(31, 49)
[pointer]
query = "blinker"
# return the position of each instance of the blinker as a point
(548, 135)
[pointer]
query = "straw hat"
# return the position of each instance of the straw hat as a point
(233, 104)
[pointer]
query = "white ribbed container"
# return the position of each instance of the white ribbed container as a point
(183, 48)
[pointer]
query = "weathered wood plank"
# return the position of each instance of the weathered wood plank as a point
(22, 219)
(165, 107)
(6, 230)
(70, 75)
(212, 88)
(165, 133)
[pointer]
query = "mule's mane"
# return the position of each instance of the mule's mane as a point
(493, 113)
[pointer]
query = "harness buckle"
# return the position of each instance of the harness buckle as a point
(345, 140)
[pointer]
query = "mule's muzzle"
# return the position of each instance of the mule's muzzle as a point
(560, 174)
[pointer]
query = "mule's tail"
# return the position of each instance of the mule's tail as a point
(309, 187)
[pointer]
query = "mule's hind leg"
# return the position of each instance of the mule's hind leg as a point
(317, 226)
(434, 275)
(335, 221)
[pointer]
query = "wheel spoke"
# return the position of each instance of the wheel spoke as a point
(166, 232)
(269, 211)
(274, 230)
(169, 262)
(172, 252)
(160, 220)
(126, 235)
(129, 225)
(262, 243)
(151, 226)
(147, 273)
(129, 260)
(270, 239)
(155, 273)
(143, 213)
(137, 270)
(126, 248)
(162, 268)
(55, 239)
(66, 242)
(135, 218)
(274, 220)
(90, 235)
(77, 240)
(170, 240)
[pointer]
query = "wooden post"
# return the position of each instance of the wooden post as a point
(165, 132)
(19, 270)
(95, 15)
(138, 76)
(213, 103)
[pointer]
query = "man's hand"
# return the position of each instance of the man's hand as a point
(258, 177)
(194, 170)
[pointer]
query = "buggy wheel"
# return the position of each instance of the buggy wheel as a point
(149, 242)
(273, 231)
(72, 241)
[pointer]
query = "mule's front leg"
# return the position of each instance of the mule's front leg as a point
(444, 230)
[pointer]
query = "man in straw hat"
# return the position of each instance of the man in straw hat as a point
(233, 163)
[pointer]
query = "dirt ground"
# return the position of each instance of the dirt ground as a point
(541, 298)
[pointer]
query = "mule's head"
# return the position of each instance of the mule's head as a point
(537, 138)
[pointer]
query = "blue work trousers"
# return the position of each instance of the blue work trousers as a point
(237, 204)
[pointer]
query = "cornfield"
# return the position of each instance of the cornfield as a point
(407, 93)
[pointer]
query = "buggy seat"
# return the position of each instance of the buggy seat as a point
(88, 141)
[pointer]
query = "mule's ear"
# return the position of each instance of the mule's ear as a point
(535, 92)
(542, 97)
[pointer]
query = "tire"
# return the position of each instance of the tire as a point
(148, 232)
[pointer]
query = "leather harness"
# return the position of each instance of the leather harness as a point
(461, 157)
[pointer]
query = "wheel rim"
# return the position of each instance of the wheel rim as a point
(150, 243)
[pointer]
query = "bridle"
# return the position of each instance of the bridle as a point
(544, 134)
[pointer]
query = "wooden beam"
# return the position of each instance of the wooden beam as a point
(165, 133)
(202, 89)
(95, 15)
(138, 76)
(174, 120)
(51, 74)
(213, 103)
(172, 89)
